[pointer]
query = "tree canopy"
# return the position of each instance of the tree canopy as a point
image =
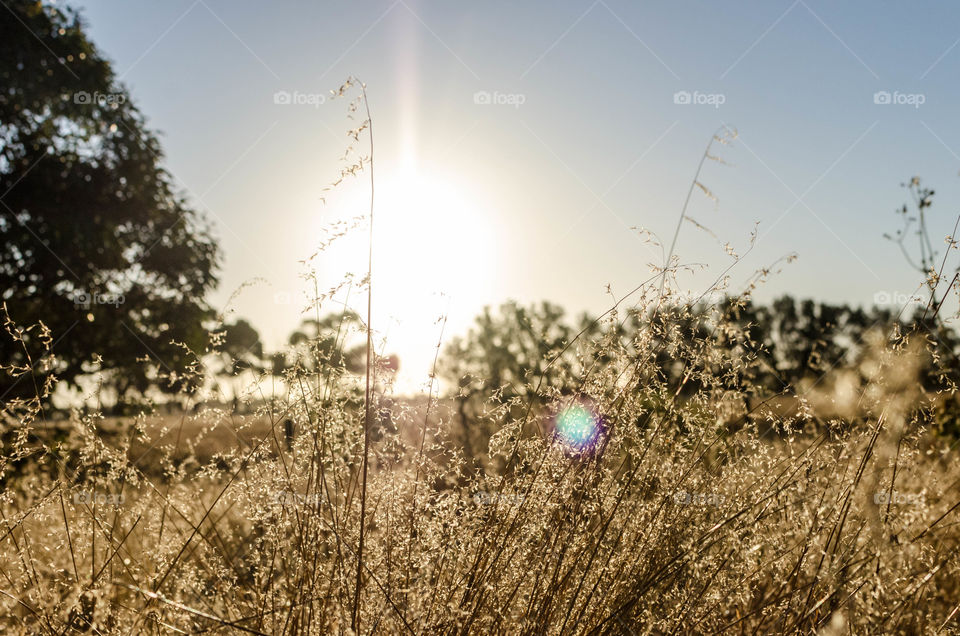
(95, 240)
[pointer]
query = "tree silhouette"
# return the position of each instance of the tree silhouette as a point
(94, 240)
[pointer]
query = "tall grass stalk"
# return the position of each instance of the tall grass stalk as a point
(370, 371)
(722, 136)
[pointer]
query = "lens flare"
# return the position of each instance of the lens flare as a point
(577, 427)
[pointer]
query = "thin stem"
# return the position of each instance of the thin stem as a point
(370, 371)
(683, 215)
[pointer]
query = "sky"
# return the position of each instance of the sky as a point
(521, 148)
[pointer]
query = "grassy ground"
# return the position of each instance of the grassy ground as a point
(639, 511)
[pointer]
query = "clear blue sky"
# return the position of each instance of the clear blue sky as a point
(598, 144)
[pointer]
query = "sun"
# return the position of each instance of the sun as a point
(434, 255)
(429, 235)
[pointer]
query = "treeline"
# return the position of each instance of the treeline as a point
(783, 343)
(531, 354)
(741, 351)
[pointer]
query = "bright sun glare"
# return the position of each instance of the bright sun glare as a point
(434, 254)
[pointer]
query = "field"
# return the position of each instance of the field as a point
(628, 507)
(407, 448)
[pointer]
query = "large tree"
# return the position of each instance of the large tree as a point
(95, 240)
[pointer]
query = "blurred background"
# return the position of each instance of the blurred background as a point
(522, 151)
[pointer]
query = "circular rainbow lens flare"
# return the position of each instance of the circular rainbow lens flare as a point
(577, 427)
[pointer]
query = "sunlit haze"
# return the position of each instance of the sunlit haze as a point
(435, 258)
(539, 137)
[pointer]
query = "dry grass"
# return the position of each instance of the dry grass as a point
(673, 521)
(684, 514)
